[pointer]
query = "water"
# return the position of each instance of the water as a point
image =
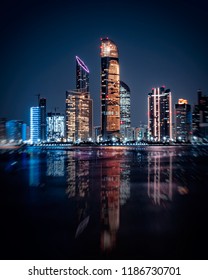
(105, 203)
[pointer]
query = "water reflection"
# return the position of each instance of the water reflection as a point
(89, 171)
(55, 164)
(78, 184)
(160, 177)
(34, 171)
(110, 189)
(116, 194)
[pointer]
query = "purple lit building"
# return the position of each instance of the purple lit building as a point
(82, 75)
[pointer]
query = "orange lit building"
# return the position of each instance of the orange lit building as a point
(79, 112)
(110, 90)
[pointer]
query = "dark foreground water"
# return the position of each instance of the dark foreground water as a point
(105, 203)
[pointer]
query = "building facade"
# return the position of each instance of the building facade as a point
(160, 115)
(15, 131)
(35, 124)
(110, 90)
(125, 110)
(42, 105)
(78, 116)
(55, 126)
(200, 116)
(183, 121)
(3, 136)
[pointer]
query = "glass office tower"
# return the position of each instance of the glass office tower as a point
(183, 121)
(160, 115)
(82, 75)
(55, 126)
(42, 105)
(125, 109)
(110, 90)
(79, 107)
(78, 116)
(35, 124)
(14, 130)
(200, 116)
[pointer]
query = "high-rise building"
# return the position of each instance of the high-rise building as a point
(55, 126)
(78, 116)
(82, 75)
(35, 124)
(200, 116)
(183, 120)
(79, 107)
(125, 109)
(3, 136)
(160, 114)
(15, 130)
(110, 90)
(42, 105)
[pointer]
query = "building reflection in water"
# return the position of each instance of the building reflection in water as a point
(125, 171)
(55, 164)
(160, 177)
(41, 164)
(78, 184)
(110, 176)
(34, 171)
(115, 190)
(110, 188)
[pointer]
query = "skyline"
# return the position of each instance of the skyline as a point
(159, 44)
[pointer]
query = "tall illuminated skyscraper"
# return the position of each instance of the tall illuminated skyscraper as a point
(200, 116)
(55, 126)
(125, 109)
(110, 90)
(183, 120)
(160, 114)
(42, 105)
(35, 124)
(82, 75)
(15, 130)
(3, 136)
(79, 106)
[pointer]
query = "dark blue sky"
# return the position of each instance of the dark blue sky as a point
(160, 43)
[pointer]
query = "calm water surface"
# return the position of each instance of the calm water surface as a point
(105, 203)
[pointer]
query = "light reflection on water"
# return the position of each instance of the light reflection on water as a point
(120, 200)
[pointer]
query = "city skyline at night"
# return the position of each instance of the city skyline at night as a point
(41, 41)
(104, 137)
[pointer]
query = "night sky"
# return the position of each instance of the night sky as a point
(160, 43)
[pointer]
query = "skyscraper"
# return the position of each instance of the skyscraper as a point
(42, 105)
(78, 116)
(14, 130)
(82, 75)
(200, 116)
(79, 106)
(160, 114)
(125, 109)
(35, 124)
(55, 126)
(183, 120)
(3, 136)
(110, 90)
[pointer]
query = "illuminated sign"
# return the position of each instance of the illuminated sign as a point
(81, 63)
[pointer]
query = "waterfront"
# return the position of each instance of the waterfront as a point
(105, 203)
